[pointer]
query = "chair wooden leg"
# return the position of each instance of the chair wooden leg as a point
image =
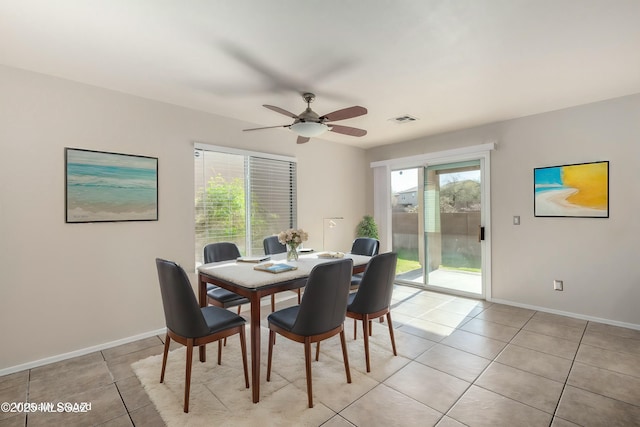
(167, 341)
(345, 356)
(307, 363)
(370, 327)
(355, 329)
(187, 374)
(219, 353)
(365, 332)
(393, 340)
(317, 351)
(299, 296)
(243, 347)
(273, 302)
(271, 340)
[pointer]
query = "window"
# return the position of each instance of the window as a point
(242, 197)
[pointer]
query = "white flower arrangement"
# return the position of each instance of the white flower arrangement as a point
(293, 237)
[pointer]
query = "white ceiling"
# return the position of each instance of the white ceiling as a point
(450, 63)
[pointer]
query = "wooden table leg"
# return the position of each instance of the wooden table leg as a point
(255, 347)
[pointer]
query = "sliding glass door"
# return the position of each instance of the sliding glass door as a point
(436, 220)
(453, 227)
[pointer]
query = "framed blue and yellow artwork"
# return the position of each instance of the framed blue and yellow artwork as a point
(577, 190)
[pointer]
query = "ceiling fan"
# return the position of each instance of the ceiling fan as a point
(309, 124)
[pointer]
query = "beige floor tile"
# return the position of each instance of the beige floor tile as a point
(121, 421)
(613, 330)
(15, 420)
(385, 406)
(546, 344)
(623, 363)
(589, 409)
(120, 366)
(607, 383)
(69, 382)
(15, 379)
(105, 406)
(560, 320)
(411, 309)
(559, 422)
(131, 347)
(427, 385)
(550, 327)
(468, 307)
(527, 388)
(474, 344)
(449, 422)
(14, 394)
(513, 318)
(483, 408)
(147, 416)
(490, 329)
(444, 317)
(427, 330)
(55, 370)
(614, 342)
(133, 394)
(543, 364)
(337, 421)
(458, 363)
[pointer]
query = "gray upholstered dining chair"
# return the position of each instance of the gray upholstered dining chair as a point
(220, 297)
(273, 247)
(373, 298)
(320, 315)
(363, 246)
(191, 325)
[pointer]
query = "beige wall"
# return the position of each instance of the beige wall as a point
(596, 258)
(69, 287)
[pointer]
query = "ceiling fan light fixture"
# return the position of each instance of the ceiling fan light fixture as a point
(309, 129)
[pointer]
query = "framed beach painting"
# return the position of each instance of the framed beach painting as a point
(578, 190)
(106, 187)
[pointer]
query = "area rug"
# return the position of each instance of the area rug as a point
(218, 395)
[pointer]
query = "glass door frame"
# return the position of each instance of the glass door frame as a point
(382, 199)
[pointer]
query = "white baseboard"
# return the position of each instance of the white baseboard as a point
(81, 352)
(568, 314)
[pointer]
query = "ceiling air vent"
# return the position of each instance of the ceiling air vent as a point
(403, 119)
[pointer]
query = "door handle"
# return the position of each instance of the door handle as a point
(480, 233)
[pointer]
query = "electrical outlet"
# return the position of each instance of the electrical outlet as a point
(516, 220)
(558, 285)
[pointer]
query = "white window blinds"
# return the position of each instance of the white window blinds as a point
(242, 198)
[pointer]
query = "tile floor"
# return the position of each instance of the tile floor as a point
(468, 362)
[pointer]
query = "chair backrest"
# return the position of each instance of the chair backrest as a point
(272, 246)
(181, 310)
(324, 302)
(376, 287)
(365, 246)
(222, 251)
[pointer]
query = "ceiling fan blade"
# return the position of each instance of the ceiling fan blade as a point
(347, 130)
(302, 139)
(281, 111)
(267, 127)
(345, 113)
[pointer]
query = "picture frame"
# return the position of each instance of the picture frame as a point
(101, 186)
(579, 190)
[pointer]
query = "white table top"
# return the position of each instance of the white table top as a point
(243, 273)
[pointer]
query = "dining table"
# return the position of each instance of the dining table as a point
(242, 278)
